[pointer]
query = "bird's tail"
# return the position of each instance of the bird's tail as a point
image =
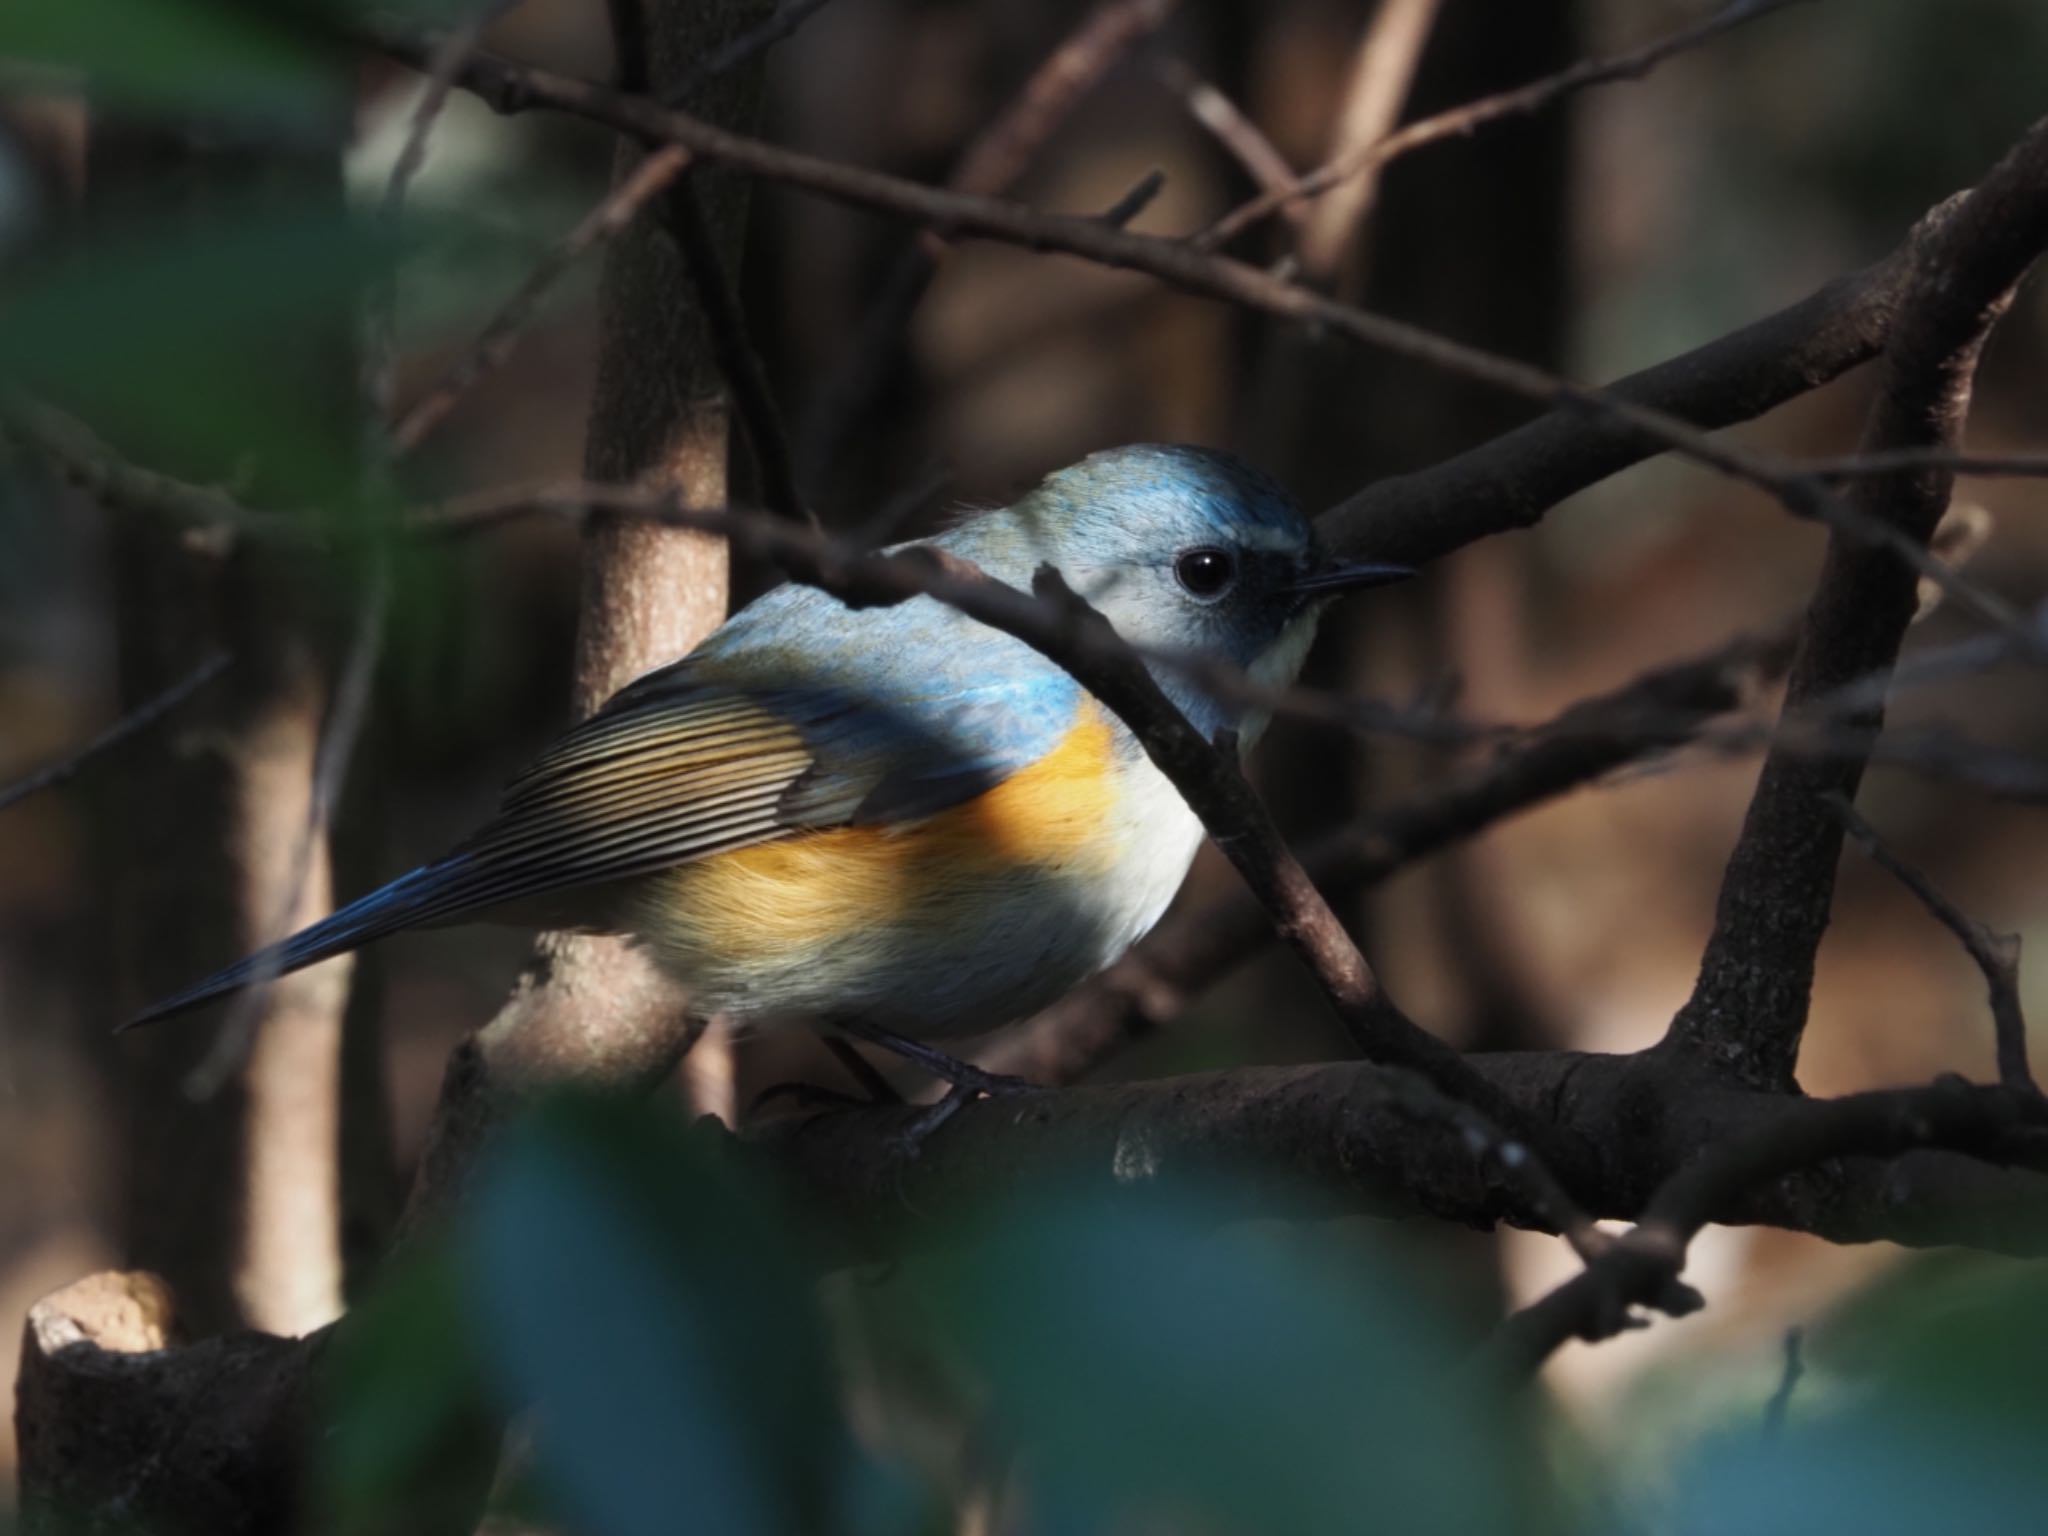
(411, 899)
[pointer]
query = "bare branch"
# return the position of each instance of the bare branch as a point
(1956, 462)
(74, 453)
(517, 87)
(1459, 122)
(1511, 481)
(236, 1034)
(1238, 134)
(780, 26)
(132, 724)
(1380, 76)
(1997, 955)
(1194, 948)
(989, 166)
(379, 365)
(1136, 200)
(495, 342)
(1641, 1267)
(1748, 1008)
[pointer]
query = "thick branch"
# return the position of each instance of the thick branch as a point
(1299, 1141)
(1748, 1008)
(1511, 481)
(1351, 1137)
(1738, 1171)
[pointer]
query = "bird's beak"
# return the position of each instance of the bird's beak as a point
(1338, 576)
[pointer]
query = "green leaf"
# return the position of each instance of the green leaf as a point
(188, 56)
(216, 345)
(644, 1300)
(411, 1435)
(1146, 1366)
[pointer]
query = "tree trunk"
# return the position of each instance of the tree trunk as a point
(592, 1008)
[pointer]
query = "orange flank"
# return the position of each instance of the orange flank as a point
(1052, 817)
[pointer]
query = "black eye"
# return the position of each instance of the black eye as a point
(1205, 572)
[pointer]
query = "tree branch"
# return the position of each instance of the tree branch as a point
(1192, 949)
(512, 87)
(1748, 1008)
(1461, 122)
(1997, 955)
(989, 166)
(1734, 1173)
(136, 721)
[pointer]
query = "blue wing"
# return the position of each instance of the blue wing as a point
(797, 714)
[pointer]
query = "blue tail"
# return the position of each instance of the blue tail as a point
(409, 900)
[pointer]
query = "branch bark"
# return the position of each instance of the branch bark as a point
(1748, 1007)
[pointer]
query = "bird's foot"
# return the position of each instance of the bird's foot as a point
(907, 1140)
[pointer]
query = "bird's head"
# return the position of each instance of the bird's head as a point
(1184, 549)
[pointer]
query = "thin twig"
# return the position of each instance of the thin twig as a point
(1238, 134)
(1460, 122)
(1135, 201)
(494, 344)
(1788, 1382)
(380, 340)
(1997, 955)
(75, 454)
(1641, 1267)
(655, 173)
(780, 25)
(990, 165)
(1195, 947)
(454, 47)
(237, 1032)
(1380, 77)
(130, 725)
(517, 87)
(1889, 461)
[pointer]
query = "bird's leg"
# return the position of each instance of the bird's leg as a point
(951, 1069)
(968, 1081)
(858, 1067)
(862, 1071)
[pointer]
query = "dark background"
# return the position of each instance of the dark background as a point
(1602, 235)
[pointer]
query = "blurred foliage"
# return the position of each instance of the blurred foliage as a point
(647, 1316)
(650, 1313)
(249, 62)
(204, 342)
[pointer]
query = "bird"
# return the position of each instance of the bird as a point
(895, 822)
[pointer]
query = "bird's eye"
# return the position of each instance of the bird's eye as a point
(1205, 572)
